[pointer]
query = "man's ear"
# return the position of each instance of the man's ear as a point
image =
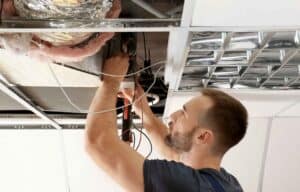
(204, 136)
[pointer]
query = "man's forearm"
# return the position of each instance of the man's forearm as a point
(102, 124)
(156, 129)
(150, 121)
(154, 124)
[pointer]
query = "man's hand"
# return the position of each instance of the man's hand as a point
(118, 66)
(154, 126)
(140, 107)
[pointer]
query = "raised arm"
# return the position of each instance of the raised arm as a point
(115, 157)
(155, 128)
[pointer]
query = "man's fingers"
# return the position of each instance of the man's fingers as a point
(128, 94)
(139, 90)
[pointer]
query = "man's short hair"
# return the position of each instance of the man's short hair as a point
(227, 118)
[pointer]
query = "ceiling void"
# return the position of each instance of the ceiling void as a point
(42, 80)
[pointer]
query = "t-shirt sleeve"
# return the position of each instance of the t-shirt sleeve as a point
(163, 176)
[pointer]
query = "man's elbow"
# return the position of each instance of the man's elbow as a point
(94, 141)
(93, 147)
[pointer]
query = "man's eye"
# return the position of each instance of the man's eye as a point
(170, 123)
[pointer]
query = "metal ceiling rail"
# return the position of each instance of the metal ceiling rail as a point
(37, 123)
(233, 63)
(207, 50)
(245, 28)
(229, 65)
(18, 25)
(146, 6)
(27, 103)
(175, 10)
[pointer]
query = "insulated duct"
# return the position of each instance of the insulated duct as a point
(61, 47)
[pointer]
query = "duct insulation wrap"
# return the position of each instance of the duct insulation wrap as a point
(62, 47)
(63, 9)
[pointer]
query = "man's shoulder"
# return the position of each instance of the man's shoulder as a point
(226, 179)
(164, 175)
(166, 164)
(187, 174)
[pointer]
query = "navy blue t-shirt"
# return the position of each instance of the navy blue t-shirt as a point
(171, 176)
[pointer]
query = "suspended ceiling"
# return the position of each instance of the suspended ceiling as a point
(237, 40)
(197, 56)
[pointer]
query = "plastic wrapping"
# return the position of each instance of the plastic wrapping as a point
(18, 43)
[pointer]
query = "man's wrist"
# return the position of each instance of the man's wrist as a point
(113, 86)
(147, 116)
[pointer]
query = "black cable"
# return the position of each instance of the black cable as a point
(140, 140)
(131, 135)
(77, 69)
(145, 47)
(149, 54)
(133, 140)
(151, 147)
(1, 10)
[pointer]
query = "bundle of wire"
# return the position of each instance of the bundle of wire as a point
(114, 109)
(111, 75)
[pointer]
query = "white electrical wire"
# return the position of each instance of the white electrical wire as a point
(137, 100)
(112, 75)
(61, 136)
(155, 98)
(136, 72)
(62, 89)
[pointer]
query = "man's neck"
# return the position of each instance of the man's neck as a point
(200, 160)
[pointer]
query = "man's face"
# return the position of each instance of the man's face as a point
(184, 123)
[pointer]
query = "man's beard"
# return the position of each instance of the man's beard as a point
(180, 142)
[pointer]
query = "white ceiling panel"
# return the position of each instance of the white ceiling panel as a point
(245, 160)
(283, 157)
(83, 173)
(25, 71)
(259, 103)
(30, 161)
(246, 13)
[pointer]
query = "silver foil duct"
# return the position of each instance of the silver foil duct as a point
(63, 9)
(60, 47)
(46, 9)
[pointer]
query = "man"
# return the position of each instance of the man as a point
(198, 136)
